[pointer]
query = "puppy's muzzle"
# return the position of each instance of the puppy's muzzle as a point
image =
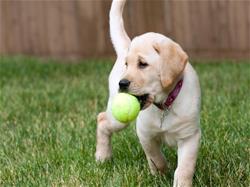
(124, 84)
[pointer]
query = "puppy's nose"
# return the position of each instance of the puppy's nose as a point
(124, 84)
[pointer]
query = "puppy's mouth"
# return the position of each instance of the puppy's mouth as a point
(145, 100)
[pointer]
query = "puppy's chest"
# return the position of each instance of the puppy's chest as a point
(167, 127)
(165, 121)
(159, 121)
(167, 124)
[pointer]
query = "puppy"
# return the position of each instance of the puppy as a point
(156, 70)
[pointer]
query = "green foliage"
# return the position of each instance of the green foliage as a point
(48, 120)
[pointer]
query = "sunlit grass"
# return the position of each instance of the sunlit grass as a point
(48, 120)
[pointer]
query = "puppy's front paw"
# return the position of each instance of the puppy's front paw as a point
(102, 155)
(157, 167)
(183, 178)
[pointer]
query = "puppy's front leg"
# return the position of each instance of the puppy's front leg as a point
(187, 155)
(104, 131)
(152, 149)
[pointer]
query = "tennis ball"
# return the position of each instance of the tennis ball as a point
(125, 107)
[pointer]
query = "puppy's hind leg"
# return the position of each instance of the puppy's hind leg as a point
(105, 127)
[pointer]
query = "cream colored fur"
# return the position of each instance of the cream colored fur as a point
(167, 63)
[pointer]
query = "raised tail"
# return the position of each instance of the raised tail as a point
(119, 37)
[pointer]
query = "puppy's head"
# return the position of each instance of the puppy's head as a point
(154, 64)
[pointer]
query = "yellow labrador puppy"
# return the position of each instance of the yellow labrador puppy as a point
(156, 70)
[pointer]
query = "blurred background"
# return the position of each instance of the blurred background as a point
(48, 107)
(74, 29)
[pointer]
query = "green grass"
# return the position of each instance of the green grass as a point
(48, 120)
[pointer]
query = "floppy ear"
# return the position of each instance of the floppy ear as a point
(173, 62)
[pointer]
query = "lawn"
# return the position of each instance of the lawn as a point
(48, 121)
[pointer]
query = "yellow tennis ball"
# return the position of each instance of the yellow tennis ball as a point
(125, 107)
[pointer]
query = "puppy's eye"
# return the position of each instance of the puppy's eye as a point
(142, 65)
(126, 64)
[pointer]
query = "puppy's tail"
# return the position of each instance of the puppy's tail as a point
(118, 34)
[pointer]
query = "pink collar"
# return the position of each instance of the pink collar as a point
(171, 97)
